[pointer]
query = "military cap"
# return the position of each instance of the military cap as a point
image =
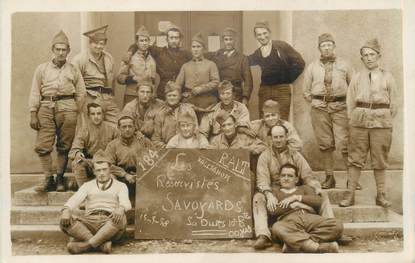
(224, 85)
(198, 38)
(325, 37)
(142, 31)
(372, 44)
(222, 116)
(171, 86)
(60, 38)
(271, 106)
(262, 24)
(100, 156)
(125, 115)
(97, 34)
(229, 31)
(187, 116)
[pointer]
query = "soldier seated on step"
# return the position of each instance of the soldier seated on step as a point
(268, 178)
(299, 226)
(104, 221)
(93, 136)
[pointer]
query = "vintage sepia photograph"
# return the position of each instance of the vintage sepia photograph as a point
(265, 131)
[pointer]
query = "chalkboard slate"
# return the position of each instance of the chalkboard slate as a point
(193, 194)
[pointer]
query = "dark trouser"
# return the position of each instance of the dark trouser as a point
(280, 93)
(300, 225)
(59, 125)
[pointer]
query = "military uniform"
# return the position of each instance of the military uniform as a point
(241, 141)
(210, 127)
(267, 179)
(88, 141)
(202, 73)
(144, 116)
(140, 66)
(298, 227)
(371, 106)
(234, 66)
(325, 86)
(280, 67)
(98, 76)
(165, 123)
(97, 226)
(55, 98)
(262, 131)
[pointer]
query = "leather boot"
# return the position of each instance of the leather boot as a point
(262, 242)
(354, 175)
(47, 185)
(78, 247)
(106, 247)
(328, 247)
(330, 182)
(104, 234)
(60, 183)
(309, 246)
(380, 184)
(346, 163)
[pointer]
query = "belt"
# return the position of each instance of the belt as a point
(372, 105)
(101, 89)
(58, 97)
(328, 98)
(100, 213)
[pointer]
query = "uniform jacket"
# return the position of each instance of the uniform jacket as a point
(241, 141)
(50, 80)
(314, 84)
(234, 68)
(269, 163)
(165, 123)
(376, 90)
(210, 127)
(262, 132)
(144, 121)
(90, 138)
(92, 76)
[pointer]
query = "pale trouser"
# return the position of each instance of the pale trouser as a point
(260, 213)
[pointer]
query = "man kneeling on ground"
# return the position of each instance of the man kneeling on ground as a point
(299, 226)
(106, 201)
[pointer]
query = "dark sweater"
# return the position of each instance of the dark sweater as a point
(278, 69)
(309, 197)
(234, 68)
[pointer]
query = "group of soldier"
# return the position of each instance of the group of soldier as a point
(198, 99)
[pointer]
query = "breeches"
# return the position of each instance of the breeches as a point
(377, 141)
(53, 124)
(330, 129)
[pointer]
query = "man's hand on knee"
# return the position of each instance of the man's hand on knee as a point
(272, 201)
(117, 215)
(66, 217)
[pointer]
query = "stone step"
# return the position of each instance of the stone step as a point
(361, 230)
(29, 197)
(361, 213)
(49, 215)
(44, 215)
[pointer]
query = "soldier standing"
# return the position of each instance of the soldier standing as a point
(55, 98)
(371, 106)
(325, 86)
(233, 66)
(96, 66)
(280, 66)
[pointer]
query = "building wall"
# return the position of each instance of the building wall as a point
(350, 30)
(32, 34)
